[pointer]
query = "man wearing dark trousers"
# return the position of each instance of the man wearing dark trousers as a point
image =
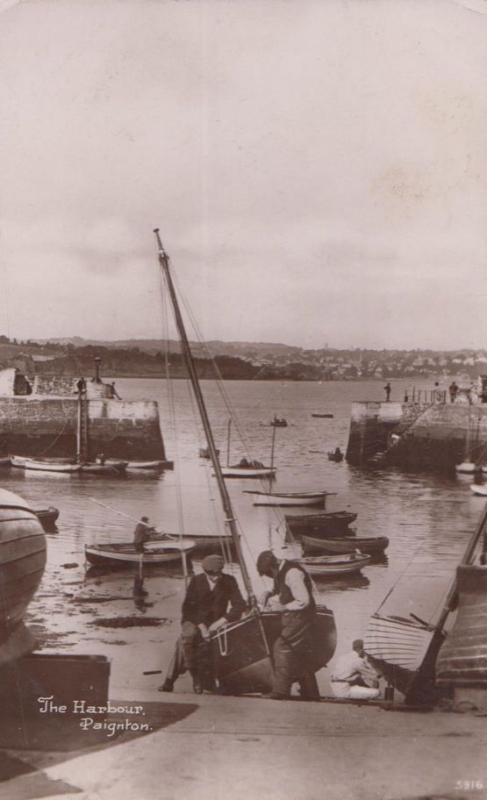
(212, 600)
(293, 650)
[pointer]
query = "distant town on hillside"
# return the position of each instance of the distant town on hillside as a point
(234, 360)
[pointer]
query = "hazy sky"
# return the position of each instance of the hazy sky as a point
(318, 170)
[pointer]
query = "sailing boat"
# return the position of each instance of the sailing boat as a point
(283, 499)
(406, 650)
(245, 469)
(241, 652)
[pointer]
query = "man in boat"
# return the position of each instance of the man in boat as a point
(354, 676)
(142, 534)
(212, 600)
(293, 650)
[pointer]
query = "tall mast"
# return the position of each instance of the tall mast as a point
(188, 357)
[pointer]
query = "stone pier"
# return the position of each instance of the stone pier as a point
(47, 427)
(432, 436)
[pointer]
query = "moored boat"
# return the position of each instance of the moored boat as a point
(373, 545)
(47, 517)
(323, 416)
(479, 488)
(45, 465)
(205, 453)
(109, 467)
(148, 466)
(248, 471)
(335, 455)
(123, 554)
(287, 498)
(333, 566)
(326, 522)
(22, 561)
(468, 468)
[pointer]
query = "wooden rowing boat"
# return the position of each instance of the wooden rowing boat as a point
(327, 522)
(239, 471)
(123, 554)
(373, 545)
(46, 465)
(287, 498)
(47, 517)
(334, 566)
(22, 562)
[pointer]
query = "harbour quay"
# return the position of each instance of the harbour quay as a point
(419, 435)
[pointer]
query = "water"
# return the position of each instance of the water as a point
(427, 518)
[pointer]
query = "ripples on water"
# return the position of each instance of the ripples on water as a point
(427, 518)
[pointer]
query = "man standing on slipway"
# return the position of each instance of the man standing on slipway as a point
(293, 650)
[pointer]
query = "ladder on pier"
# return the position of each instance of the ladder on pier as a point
(82, 438)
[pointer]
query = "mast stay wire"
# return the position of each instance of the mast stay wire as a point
(222, 391)
(226, 400)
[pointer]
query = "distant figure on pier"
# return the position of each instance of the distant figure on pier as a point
(453, 390)
(406, 396)
(81, 386)
(114, 394)
(354, 676)
(100, 458)
(387, 389)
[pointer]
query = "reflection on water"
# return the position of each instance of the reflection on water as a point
(428, 519)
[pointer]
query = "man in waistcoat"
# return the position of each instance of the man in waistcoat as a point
(293, 650)
(212, 600)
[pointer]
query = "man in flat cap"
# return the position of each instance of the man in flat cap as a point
(212, 600)
(293, 650)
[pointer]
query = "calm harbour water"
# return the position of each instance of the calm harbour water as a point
(427, 518)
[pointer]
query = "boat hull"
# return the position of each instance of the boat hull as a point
(462, 660)
(43, 466)
(284, 499)
(124, 555)
(331, 522)
(250, 472)
(347, 544)
(334, 566)
(22, 562)
(240, 661)
(47, 517)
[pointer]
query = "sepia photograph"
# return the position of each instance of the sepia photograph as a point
(243, 399)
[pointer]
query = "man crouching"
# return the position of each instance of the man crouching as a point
(212, 600)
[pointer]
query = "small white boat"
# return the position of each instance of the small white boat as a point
(248, 472)
(467, 468)
(480, 489)
(46, 465)
(111, 467)
(124, 553)
(334, 566)
(148, 466)
(287, 498)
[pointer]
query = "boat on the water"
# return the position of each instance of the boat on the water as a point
(44, 465)
(323, 416)
(108, 467)
(22, 561)
(468, 468)
(479, 488)
(147, 466)
(333, 566)
(279, 422)
(123, 554)
(373, 545)
(335, 455)
(240, 653)
(205, 453)
(325, 523)
(248, 469)
(47, 517)
(287, 498)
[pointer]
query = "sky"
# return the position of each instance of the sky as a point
(318, 170)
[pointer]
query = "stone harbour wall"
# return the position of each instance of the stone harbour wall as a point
(47, 427)
(433, 437)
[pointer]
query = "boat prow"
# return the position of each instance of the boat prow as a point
(22, 562)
